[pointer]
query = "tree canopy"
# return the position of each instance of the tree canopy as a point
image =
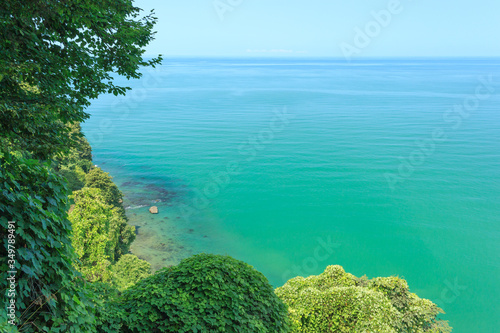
(96, 178)
(204, 293)
(336, 301)
(100, 234)
(55, 56)
(129, 270)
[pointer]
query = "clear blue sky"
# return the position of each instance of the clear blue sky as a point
(324, 28)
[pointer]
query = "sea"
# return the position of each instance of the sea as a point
(383, 166)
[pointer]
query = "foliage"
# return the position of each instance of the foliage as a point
(96, 178)
(109, 314)
(77, 161)
(416, 314)
(80, 150)
(74, 175)
(336, 301)
(5, 327)
(55, 56)
(79, 154)
(129, 270)
(126, 233)
(98, 230)
(48, 291)
(204, 293)
(93, 238)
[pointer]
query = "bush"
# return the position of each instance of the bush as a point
(100, 234)
(415, 314)
(336, 301)
(126, 233)
(129, 270)
(96, 178)
(79, 152)
(205, 293)
(74, 175)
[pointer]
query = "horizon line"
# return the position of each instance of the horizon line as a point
(319, 57)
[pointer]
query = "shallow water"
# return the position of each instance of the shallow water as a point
(293, 165)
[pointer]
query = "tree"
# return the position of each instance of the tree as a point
(204, 293)
(109, 314)
(74, 175)
(55, 56)
(80, 149)
(126, 233)
(79, 153)
(93, 238)
(96, 178)
(98, 230)
(336, 301)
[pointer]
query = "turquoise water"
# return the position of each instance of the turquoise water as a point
(293, 165)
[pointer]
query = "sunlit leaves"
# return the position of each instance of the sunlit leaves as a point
(336, 301)
(56, 56)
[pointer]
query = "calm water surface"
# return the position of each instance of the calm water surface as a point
(386, 167)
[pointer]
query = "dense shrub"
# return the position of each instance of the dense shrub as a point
(336, 301)
(129, 270)
(93, 239)
(79, 153)
(109, 314)
(5, 327)
(415, 314)
(77, 161)
(100, 234)
(205, 293)
(75, 176)
(126, 234)
(96, 178)
(55, 56)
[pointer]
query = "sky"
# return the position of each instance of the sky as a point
(325, 28)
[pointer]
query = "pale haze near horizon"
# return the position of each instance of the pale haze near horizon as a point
(324, 28)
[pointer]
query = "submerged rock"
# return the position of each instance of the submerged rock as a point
(153, 210)
(131, 183)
